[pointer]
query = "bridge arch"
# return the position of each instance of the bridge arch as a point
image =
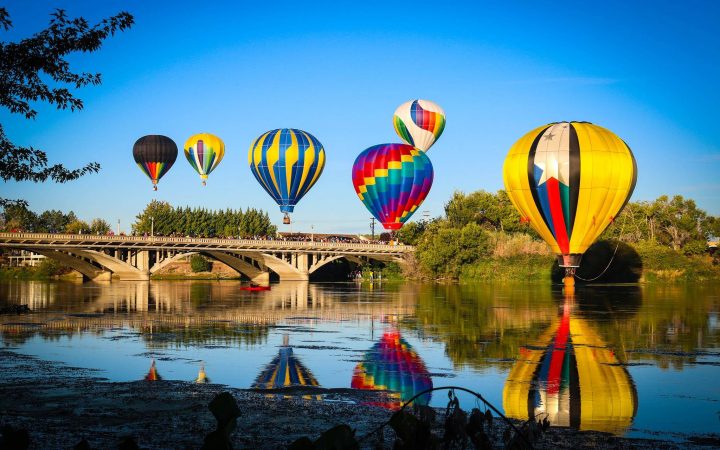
(87, 269)
(117, 266)
(255, 274)
(284, 269)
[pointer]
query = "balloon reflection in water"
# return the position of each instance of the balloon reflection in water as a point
(153, 374)
(202, 377)
(285, 370)
(575, 381)
(393, 365)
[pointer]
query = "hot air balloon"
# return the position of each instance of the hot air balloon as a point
(287, 163)
(204, 152)
(392, 180)
(570, 180)
(575, 381)
(419, 123)
(393, 365)
(155, 155)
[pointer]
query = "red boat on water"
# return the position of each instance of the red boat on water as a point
(254, 288)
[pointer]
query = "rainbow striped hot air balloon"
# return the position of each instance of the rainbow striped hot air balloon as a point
(393, 365)
(419, 123)
(287, 163)
(204, 152)
(392, 180)
(155, 154)
(570, 180)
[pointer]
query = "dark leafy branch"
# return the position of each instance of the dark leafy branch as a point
(24, 68)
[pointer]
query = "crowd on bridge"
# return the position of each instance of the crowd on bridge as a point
(290, 237)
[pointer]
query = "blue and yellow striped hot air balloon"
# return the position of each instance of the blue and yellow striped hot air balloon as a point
(204, 152)
(287, 163)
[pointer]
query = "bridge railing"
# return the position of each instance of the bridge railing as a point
(268, 243)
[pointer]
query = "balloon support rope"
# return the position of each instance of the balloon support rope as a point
(611, 258)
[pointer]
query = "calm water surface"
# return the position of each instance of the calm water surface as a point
(630, 360)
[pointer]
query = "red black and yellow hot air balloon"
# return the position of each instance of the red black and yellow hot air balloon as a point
(393, 365)
(575, 381)
(569, 181)
(155, 154)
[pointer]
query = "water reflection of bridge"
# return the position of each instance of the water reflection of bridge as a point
(156, 306)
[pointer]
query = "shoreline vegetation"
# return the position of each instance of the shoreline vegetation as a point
(480, 238)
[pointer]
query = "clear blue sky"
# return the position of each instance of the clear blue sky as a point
(647, 70)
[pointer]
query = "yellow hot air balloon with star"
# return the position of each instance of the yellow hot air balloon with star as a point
(569, 181)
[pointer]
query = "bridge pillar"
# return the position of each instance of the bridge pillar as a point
(261, 279)
(143, 260)
(105, 275)
(301, 262)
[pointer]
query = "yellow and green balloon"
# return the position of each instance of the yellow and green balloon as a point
(204, 152)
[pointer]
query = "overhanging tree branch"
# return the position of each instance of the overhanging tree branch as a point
(23, 67)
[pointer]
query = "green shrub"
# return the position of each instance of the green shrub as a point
(49, 267)
(199, 263)
(513, 268)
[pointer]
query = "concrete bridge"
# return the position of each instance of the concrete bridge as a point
(100, 257)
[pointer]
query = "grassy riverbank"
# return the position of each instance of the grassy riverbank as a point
(46, 270)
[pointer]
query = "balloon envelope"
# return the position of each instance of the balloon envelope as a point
(155, 154)
(392, 180)
(419, 123)
(569, 180)
(287, 163)
(204, 152)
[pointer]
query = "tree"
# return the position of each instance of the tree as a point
(77, 227)
(18, 218)
(99, 226)
(491, 211)
(199, 263)
(36, 68)
(445, 249)
(54, 221)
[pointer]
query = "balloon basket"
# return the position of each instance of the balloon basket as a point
(154, 188)
(286, 219)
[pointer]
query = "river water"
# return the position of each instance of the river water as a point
(630, 360)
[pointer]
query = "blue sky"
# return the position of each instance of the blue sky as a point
(647, 70)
